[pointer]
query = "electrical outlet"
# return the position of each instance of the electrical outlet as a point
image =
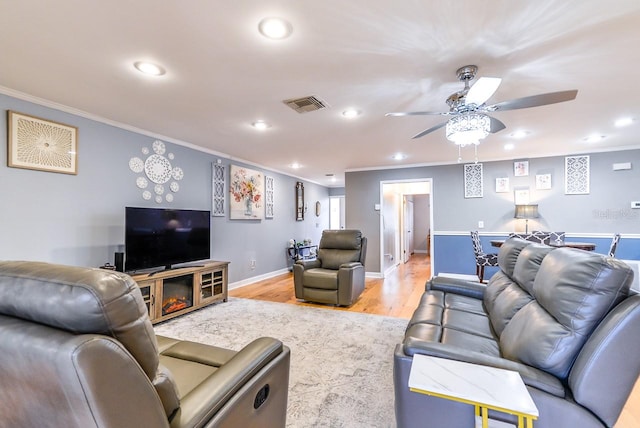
(252, 264)
(481, 224)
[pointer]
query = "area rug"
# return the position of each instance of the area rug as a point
(341, 362)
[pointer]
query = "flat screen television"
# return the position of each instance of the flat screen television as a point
(163, 237)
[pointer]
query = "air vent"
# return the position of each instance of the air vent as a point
(305, 104)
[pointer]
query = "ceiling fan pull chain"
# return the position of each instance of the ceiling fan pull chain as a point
(459, 154)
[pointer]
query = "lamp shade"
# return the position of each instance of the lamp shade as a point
(526, 211)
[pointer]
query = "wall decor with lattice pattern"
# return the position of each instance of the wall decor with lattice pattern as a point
(576, 175)
(473, 182)
(218, 190)
(268, 196)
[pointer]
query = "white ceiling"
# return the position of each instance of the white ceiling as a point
(377, 56)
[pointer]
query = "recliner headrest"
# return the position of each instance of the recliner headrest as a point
(341, 239)
(80, 300)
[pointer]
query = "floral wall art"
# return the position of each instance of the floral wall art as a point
(247, 194)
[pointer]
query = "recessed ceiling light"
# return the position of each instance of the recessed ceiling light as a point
(351, 113)
(260, 125)
(275, 28)
(519, 134)
(624, 121)
(295, 165)
(149, 68)
(399, 156)
(509, 146)
(594, 138)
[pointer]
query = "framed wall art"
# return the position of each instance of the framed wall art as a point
(40, 144)
(473, 181)
(268, 194)
(521, 168)
(218, 189)
(576, 175)
(521, 196)
(543, 181)
(502, 185)
(299, 201)
(247, 194)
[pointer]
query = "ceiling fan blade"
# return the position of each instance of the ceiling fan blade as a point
(496, 125)
(418, 113)
(427, 131)
(482, 90)
(535, 100)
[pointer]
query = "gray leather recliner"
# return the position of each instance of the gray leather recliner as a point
(78, 350)
(336, 276)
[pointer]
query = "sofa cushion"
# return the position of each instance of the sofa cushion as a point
(504, 297)
(321, 278)
(528, 264)
(573, 291)
(508, 254)
(332, 258)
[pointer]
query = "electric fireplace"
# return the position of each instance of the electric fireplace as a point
(177, 293)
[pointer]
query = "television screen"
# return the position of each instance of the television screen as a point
(159, 237)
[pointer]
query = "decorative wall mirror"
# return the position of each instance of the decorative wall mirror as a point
(299, 201)
(317, 208)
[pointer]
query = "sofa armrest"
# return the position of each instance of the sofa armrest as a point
(350, 265)
(205, 400)
(309, 264)
(530, 375)
(456, 286)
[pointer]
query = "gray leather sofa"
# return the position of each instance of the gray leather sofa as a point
(563, 318)
(336, 276)
(78, 350)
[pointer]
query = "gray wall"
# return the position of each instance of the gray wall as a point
(421, 224)
(606, 209)
(79, 219)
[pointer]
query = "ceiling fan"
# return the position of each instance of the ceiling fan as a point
(469, 122)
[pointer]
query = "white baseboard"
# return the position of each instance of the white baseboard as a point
(254, 279)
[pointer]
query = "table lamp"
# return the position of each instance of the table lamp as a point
(526, 212)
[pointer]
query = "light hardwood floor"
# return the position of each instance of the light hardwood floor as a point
(396, 296)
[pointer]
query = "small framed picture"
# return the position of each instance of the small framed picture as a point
(521, 196)
(543, 182)
(521, 168)
(502, 185)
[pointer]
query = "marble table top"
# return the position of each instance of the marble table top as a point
(487, 386)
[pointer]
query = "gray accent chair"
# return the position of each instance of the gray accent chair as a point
(336, 276)
(78, 351)
(565, 319)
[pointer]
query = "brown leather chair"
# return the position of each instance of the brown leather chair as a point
(78, 350)
(336, 276)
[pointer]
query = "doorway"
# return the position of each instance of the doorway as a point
(406, 216)
(336, 212)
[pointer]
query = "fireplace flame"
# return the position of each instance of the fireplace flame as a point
(173, 304)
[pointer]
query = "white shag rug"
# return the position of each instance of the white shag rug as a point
(341, 362)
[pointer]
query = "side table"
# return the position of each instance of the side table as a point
(481, 386)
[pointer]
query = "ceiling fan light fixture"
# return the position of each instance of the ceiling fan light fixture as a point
(468, 128)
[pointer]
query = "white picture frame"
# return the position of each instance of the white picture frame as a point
(543, 181)
(502, 185)
(521, 168)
